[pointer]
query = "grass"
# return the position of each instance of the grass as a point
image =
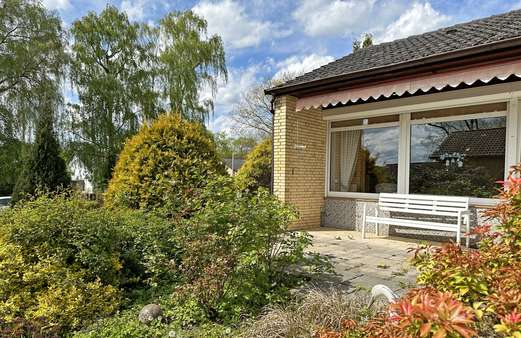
(303, 317)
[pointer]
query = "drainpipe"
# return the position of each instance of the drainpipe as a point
(272, 111)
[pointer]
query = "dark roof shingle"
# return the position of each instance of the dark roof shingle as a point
(474, 143)
(475, 33)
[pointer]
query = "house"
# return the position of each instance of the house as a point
(435, 113)
(80, 176)
(233, 165)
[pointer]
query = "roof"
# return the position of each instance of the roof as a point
(474, 143)
(477, 33)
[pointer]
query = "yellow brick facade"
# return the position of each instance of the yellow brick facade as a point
(299, 159)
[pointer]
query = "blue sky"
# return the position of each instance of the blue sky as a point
(264, 38)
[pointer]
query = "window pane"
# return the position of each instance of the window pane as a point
(364, 160)
(460, 158)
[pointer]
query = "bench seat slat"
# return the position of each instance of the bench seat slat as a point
(424, 202)
(421, 212)
(425, 197)
(412, 223)
(420, 207)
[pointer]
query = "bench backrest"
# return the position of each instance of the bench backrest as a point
(423, 204)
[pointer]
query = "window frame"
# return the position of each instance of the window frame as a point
(404, 150)
(328, 149)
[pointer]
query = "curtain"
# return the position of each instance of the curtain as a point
(349, 143)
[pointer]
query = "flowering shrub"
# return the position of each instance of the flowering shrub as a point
(423, 312)
(489, 278)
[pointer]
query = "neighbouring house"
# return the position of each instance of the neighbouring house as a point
(435, 113)
(80, 176)
(233, 165)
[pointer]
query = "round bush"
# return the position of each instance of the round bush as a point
(256, 170)
(164, 166)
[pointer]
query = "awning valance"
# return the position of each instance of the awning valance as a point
(411, 85)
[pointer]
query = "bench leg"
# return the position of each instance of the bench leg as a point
(467, 221)
(377, 213)
(458, 232)
(363, 219)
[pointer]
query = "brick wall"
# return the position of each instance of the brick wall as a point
(299, 173)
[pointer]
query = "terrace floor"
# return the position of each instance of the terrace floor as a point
(362, 263)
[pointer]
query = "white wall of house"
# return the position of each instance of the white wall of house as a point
(80, 173)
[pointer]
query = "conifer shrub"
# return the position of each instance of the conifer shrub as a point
(256, 170)
(164, 167)
(44, 168)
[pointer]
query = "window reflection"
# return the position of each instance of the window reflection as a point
(364, 160)
(460, 158)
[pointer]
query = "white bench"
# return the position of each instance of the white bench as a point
(448, 206)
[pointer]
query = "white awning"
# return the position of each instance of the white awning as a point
(411, 85)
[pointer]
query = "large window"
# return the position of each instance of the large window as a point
(364, 159)
(457, 151)
(460, 158)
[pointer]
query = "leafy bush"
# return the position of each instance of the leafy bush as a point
(256, 170)
(164, 166)
(36, 328)
(488, 278)
(237, 253)
(423, 312)
(68, 261)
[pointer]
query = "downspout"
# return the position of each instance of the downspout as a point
(272, 111)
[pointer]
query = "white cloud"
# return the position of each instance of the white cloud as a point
(223, 123)
(134, 9)
(56, 4)
(338, 17)
(228, 19)
(418, 19)
(296, 65)
(240, 80)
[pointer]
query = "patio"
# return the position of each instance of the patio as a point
(360, 264)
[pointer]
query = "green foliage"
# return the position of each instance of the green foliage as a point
(32, 60)
(190, 61)
(126, 325)
(437, 180)
(488, 278)
(364, 42)
(37, 328)
(69, 261)
(12, 152)
(126, 73)
(109, 70)
(256, 170)
(45, 169)
(237, 147)
(237, 254)
(165, 166)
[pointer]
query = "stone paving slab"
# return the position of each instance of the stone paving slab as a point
(362, 263)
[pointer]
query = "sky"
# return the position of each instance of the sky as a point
(265, 38)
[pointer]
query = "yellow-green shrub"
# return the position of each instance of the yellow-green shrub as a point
(164, 166)
(256, 170)
(69, 261)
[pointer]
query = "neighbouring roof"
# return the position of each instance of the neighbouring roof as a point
(474, 143)
(473, 34)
